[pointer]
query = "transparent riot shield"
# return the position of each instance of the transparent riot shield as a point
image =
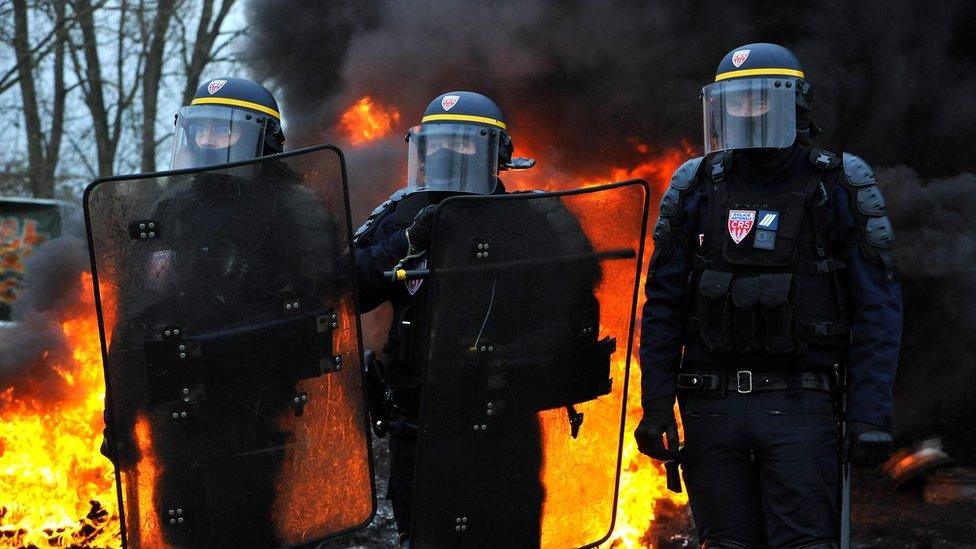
(532, 306)
(232, 352)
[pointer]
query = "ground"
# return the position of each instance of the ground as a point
(883, 519)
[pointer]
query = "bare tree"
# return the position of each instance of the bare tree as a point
(106, 122)
(209, 27)
(120, 61)
(150, 80)
(43, 148)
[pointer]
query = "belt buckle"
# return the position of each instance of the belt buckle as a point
(743, 382)
(690, 381)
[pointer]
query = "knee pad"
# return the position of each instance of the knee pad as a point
(726, 544)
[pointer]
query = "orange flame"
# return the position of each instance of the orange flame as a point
(642, 488)
(642, 481)
(367, 121)
(56, 489)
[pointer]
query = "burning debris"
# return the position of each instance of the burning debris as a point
(56, 489)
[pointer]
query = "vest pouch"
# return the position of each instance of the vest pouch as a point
(746, 328)
(717, 310)
(779, 332)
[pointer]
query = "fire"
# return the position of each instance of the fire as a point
(642, 481)
(368, 121)
(56, 489)
(642, 489)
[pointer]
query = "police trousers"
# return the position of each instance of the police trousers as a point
(762, 469)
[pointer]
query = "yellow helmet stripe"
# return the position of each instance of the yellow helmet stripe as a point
(235, 103)
(462, 118)
(759, 72)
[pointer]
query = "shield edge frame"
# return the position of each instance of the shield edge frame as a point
(359, 333)
(633, 310)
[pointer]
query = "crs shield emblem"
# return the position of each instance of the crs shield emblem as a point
(159, 263)
(414, 284)
(449, 101)
(739, 57)
(740, 223)
(215, 85)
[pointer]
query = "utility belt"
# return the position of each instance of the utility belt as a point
(748, 381)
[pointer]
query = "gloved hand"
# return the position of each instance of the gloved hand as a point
(867, 445)
(106, 443)
(658, 419)
(128, 454)
(418, 234)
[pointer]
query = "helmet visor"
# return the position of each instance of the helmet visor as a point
(210, 135)
(749, 113)
(452, 157)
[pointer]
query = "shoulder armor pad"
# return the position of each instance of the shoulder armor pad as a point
(684, 176)
(870, 201)
(662, 232)
(857, 171)
(670, 202)
(879, 233)
(378, 213)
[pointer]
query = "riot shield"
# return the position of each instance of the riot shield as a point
(232, 352)
(532, 301)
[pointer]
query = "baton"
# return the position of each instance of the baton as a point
(845, 506)
(671, 466)
(846, 470)
(400, 275)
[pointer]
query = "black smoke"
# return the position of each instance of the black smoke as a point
(34, 342)
(936, 255)
(893, 81)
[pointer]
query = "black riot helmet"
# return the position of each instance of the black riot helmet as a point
(759, 100)
(228, 120)
(461, 144)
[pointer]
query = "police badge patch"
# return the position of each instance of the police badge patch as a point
(215, 85)
(739, 57)
(449, 101)
(159, 263)
(414, 284)
(740, 223)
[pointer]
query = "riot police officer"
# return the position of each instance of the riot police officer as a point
(242, 266)
(459, 147)
(772, 270)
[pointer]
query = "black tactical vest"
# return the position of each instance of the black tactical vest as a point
(765, 277)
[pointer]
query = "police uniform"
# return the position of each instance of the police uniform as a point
(772, 272)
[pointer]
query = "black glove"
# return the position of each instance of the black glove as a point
(418, 234)
(106, 443)
(867, 445)
(657, 421)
